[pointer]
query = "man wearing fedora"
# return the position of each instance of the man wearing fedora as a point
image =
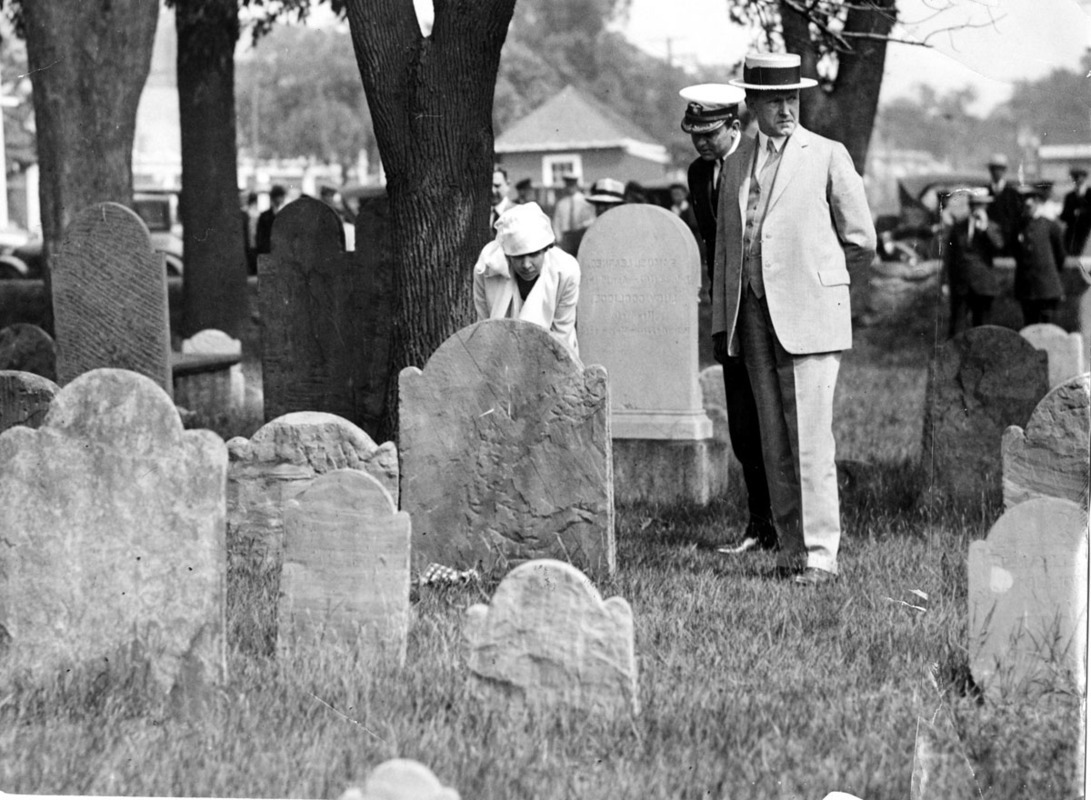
(712, 121)
(792, 220)
(972, 241)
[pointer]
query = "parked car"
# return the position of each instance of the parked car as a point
(914, 233)
(159, 211)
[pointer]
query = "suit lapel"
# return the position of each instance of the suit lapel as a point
(790, 162)
(742, 163)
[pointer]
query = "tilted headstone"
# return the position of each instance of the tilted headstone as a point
(548, 637)
(1050, 458)
(24, 398)
(326, 320)
(637, 316)
(346, 566)
(113, 528)
(27, 348)
(1065, 350)
(505, 452)
(1028, 600)
(214, 342)
(110, 297)
(979, 382)
(401, 779)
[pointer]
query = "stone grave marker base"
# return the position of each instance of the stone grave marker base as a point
(671, 471)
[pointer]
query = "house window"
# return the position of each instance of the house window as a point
(555, 167)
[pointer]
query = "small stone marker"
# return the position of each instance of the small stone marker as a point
(401, 779)
(327, 320)
(1050, 458)
(27, 348)
(346, 566)
(212, 341)
(113, 531)
(1065, 350)
(24, 398)
(980, 382)
(505, 450)
(110, 297)
(1028, 600)
(548, 636)
(640, 279)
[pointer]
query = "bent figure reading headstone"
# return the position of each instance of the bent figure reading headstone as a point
(505, 452)
(113, 528)
(110, 297)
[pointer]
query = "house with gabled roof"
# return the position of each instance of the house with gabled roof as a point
(574, 134)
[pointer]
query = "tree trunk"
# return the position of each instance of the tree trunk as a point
(88, 62)
(214, 282)
(431, 104)
(846, 111)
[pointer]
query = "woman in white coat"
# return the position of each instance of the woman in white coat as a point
(521, 275)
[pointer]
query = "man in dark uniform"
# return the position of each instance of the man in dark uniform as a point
(1007, 206)
(1039, 259)
(972, 242)
(712, 121)
(263, 238)
(1076, 212)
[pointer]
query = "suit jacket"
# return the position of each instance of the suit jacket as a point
(263, 233)
(1039, 259)
(703, 202)
(817, 226)
(969, 260)
(1007, 212)
(550, 304)
(1076, 216)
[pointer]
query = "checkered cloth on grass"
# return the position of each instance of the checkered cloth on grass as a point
(439, 575)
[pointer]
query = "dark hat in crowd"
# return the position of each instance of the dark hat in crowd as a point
(570, 178)
(711, 106)
(1039, 191)
(978, 196)
(277, 191)
(523, 184)
(607, 190)
(770, 72)
(1078, 170)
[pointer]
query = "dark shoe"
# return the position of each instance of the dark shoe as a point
(813, 576)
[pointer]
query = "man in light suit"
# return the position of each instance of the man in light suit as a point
(792, 221)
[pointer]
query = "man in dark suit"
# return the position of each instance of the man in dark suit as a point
(1076, 212)
(1039, 259)
(972, 241)
(1007, 206)
(263, 237)
(712, 121)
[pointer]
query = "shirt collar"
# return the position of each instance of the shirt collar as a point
(778, 141)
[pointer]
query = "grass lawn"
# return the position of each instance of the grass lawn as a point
(749, 687)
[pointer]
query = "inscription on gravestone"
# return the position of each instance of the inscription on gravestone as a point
(24, 398)
(110, 297)
(637, 316)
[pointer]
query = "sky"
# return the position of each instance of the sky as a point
(1007, 40)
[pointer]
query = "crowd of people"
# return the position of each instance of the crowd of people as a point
(1008, 220)
(782, 217)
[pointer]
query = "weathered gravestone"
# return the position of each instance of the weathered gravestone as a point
(273, 467)
(24, 398)
(110, 297)
(979, 382)
(326, 320)
(401, 779)
(1051, 457)
(548, 638)
(27, 348)
(1065, 350)
(113, 528)
(505, 452)
(640, 280)
(1028, 600)
(214, 389)
(346, 566)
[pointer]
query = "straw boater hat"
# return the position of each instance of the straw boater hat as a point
(772, 71)
(607, 190)
(711, 106)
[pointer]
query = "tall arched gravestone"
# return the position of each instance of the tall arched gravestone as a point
(1065, 350)
(979, 382)
(346, 566)
(1050, 458)
(505, 452)
(24, 398)
(110, 297)
(326, 320)
(113, 527)
(279, 462)
(638, 317)
(1028, 600)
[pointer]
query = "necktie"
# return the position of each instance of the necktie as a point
(769, 167)
(717, 173)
